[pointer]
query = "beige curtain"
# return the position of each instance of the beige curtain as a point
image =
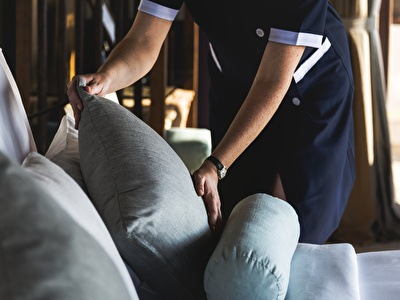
(371, 213)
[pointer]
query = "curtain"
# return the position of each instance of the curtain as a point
(371, 213)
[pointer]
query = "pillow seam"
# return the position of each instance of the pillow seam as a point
(236, 255)
(108, 158)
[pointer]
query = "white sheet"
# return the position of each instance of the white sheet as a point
(16, 139)
(379, 275)
(335, 272)
(324, 272)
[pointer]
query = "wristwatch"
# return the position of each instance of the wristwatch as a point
(221, 169)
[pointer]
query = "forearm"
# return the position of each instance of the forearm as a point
(266, 94)
(136, 54)
(255, 113)
(125, 65)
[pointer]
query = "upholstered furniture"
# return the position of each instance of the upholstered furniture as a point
(109, 212)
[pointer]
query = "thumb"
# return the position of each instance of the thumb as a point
(198, 183)
(89, 89)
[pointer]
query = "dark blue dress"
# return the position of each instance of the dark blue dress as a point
(309, 141)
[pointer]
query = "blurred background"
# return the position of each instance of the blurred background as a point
(46, 42)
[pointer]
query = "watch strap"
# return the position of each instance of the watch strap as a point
(216, 162)
(221, 169)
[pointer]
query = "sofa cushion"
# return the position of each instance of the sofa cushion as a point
(45, 252)
(379, 274)
(252, 258)
(193, 145)
(324, 272)
(16, 138)
(144, 193)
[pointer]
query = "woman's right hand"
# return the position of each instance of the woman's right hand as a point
(205, 182)
(95, 84)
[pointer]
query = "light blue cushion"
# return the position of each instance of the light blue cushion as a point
(252, 259)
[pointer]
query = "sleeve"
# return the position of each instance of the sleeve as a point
(164, 9)
(298, 22)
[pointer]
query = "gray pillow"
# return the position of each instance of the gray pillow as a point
(145, 194)
(45, 254)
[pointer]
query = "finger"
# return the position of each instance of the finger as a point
(74, 100)
(219, 221)
(94, 87)
(213, 206)
(88, 89)
(77, 117)
(198, 182)
(77, 107)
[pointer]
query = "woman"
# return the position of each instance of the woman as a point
(280, 102)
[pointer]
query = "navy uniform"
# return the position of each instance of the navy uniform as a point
(309, 141)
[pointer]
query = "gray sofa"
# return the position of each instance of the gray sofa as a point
(109, 212)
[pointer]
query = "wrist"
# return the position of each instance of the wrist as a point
(221, 169)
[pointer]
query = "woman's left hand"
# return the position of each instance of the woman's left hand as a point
(205, 181)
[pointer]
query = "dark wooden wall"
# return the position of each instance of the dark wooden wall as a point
(38, 36)
(36, 40)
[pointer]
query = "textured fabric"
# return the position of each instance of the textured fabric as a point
(324, 272)
(77, 205)
(64, 150)
(252, 258)
(16, 139)
(145, 195)
(45, 253)
(379, 275)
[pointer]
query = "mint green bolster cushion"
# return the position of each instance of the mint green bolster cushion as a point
(145, 195)
(252, 259)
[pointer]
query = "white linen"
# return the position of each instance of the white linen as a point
(379, 275)
(324, 272)
(16, 139)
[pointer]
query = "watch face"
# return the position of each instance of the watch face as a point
(222, 173)
(221, 169)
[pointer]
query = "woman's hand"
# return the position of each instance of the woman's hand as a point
(205, 181)
(95, 84)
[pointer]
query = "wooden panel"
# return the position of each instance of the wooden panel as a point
(396, 11)
(98, 33)
(42, 73)
(79, 36)
(191, 33)
(62, 51)
(386, 18)
(23, 50)
(158, 85)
